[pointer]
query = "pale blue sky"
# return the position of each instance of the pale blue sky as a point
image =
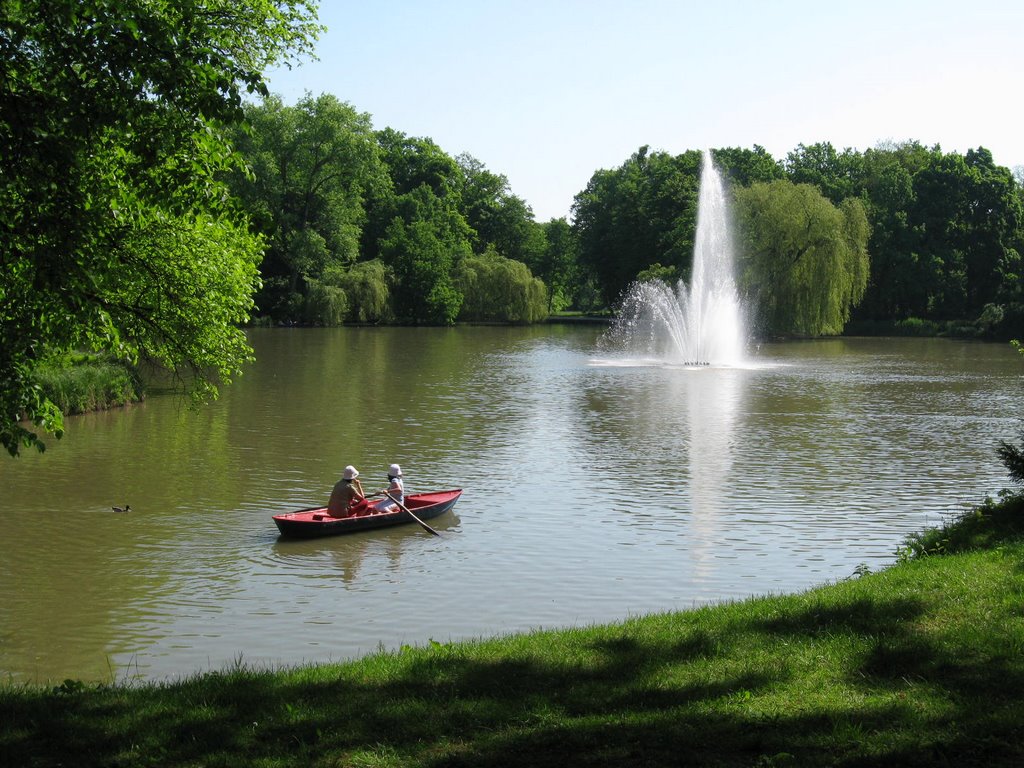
(548, 91)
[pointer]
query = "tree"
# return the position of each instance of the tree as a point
(312, 167)
(902, 276)
(482, 193)
(499, 219)
(837, 175)
(805, 261)
(421, 245)
(559, 267)
(118, 234)
(969, 216)
(640, 213)
(411, 163)
(497, 289)
(745, 166)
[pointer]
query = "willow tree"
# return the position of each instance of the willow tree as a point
(804, 260)
(118, 233)
(497, 289)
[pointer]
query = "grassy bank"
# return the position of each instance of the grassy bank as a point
(86, 382)
(920, 664)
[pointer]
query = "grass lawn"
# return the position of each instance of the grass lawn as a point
(920, 664)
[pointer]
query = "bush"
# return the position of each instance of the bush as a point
(1001, 322)
(668, 275)
(984, 526)
(915, 326)
(325, 304)
(1012, 457)
(80, 383)
(366, 285)
(497, 289)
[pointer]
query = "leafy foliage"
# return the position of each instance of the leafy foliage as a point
(421, 246)
(836, 174)
(499, 219)
(312, 167)
(945, 231)
(643, 212)
(118, 234)
(986, 526)
(559, 266)
(742, 167)
(500, 290)
(805, 260)
(325, 304)
(89, 383)
(366, 284)
(1012, 457)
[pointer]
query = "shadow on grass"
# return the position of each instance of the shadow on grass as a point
(703, 691)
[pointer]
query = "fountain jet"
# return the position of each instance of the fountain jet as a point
(702, 324)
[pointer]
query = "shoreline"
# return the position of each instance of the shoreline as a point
(915, 664)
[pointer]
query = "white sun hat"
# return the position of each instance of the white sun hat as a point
(351, 473)
(395, 471)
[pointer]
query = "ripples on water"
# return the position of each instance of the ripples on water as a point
(595, 489)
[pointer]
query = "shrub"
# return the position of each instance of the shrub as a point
(984, 526)
(325, 304)
(915, 326)
(366, 285)
(497, 289)
(79, 382)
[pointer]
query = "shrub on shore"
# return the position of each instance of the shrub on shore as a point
(88, 382)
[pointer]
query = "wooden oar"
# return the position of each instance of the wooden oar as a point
(409, 512)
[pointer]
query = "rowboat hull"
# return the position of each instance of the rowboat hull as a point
(313, 523)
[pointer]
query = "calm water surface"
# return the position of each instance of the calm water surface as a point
(596, 488)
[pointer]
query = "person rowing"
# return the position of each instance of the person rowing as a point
(347, 497)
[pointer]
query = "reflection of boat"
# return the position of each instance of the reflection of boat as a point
(310, 523)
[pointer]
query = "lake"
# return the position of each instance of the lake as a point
(595, 488)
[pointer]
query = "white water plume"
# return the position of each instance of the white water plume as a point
(702, 324)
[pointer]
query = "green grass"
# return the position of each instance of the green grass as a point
(919, 664)
(87, 382)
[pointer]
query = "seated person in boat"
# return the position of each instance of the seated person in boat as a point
(347, 498)
(395, 489)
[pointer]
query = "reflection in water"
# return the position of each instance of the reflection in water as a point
(333, 556)
(713, 401)
(591, 492)
(679, 423)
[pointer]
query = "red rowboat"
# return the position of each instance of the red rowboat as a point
(310, 523)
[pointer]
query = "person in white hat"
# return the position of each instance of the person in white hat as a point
(347, 498)
(396, 489)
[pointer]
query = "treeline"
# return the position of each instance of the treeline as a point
(374, 226)
(379, 227)
(898, 238)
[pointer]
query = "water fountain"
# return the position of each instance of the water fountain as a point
(702, 324)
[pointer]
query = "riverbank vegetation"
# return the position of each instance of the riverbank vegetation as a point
(79, 383)
(919, 664)
(900, 238)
